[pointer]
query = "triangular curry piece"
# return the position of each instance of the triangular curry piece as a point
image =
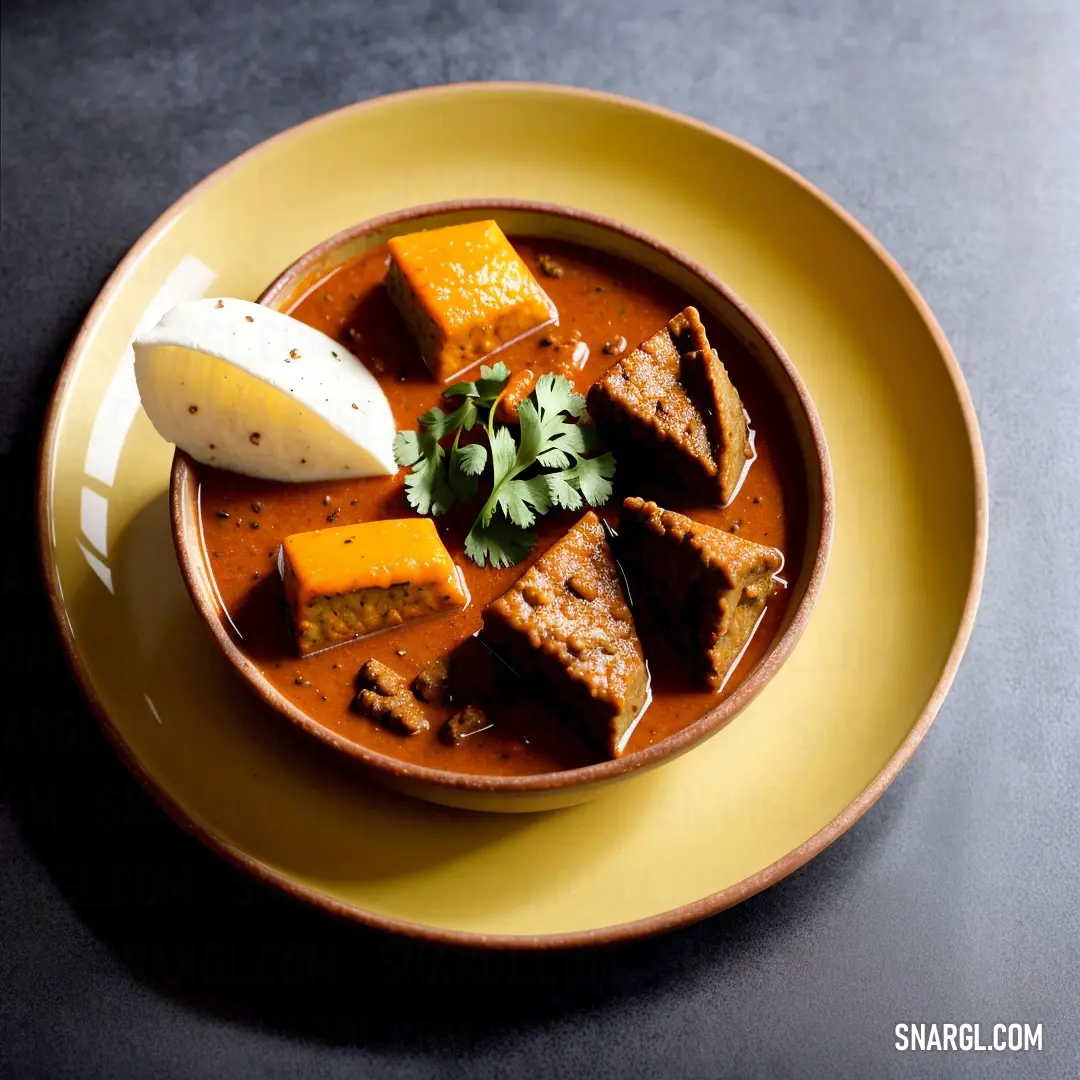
(565, 627)
(707, 586)
(671, 404)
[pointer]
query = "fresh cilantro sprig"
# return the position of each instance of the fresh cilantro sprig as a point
(430, 487)
(547, 439)
(545, 466)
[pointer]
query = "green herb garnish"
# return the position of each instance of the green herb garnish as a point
(544, 467)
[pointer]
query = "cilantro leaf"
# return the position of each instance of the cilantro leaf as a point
(503, 460)
(407, 448)
(486, 389)
(555, 458)
(593, 477)
(440, 424)
(523, 501)
(501, 543)
(562, 491)
(425, 487)
(467, 463)
(555, 395)
(473, 459)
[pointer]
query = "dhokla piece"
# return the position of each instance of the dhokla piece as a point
(352, 580)
(707, 586)
(566, 628)
(671, 401)
(464, 293)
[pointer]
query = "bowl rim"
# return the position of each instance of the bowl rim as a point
(182, 490)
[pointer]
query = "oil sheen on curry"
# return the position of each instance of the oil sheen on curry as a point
(634, 613)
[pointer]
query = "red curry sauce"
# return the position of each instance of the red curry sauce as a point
(599, 297)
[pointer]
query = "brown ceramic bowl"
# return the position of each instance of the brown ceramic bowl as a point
(564, 788)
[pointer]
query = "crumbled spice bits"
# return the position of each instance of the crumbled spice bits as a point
(384, 698)
(469, 721)
(432, 684)
(549, 267)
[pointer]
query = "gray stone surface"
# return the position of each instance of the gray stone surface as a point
(951, 130)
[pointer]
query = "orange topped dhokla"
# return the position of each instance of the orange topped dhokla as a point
(464, 292)
(352, 580)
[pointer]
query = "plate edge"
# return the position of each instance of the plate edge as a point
(654, 924)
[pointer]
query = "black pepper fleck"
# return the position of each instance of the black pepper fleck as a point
(326, 500)
(254, 524)
(223, 513)
(256, 506)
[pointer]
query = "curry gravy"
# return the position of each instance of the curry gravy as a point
(599, 298)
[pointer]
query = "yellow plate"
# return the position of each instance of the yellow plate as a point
(772, 789)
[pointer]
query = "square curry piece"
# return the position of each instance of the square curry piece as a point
(707, 587)
(566, 629)
(352, 580)
(464, 293)
(670, 407)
